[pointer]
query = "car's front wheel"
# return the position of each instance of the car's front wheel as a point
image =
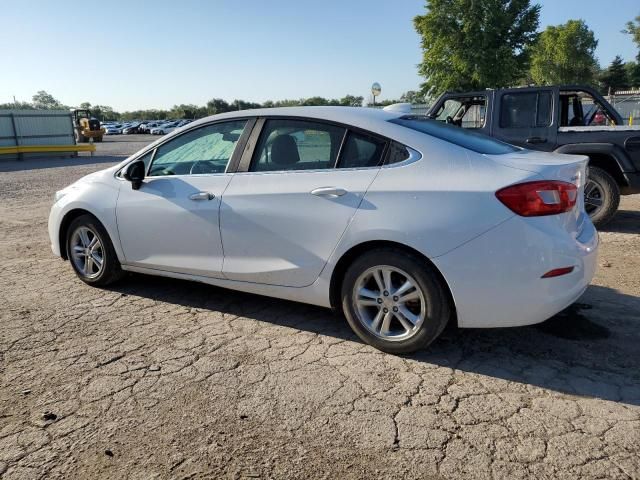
(91, 252)
(394, 301)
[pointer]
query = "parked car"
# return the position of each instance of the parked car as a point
(402, 223)
(570, 119)
(114, 129)
(131, 128)
(165, 128)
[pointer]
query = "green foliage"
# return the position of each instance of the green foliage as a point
(412, 97)
(44, 100)
(615, 77)
(633, 74)
(564, 54)
(475, 44)
(214, 106)
(633, 29)
(17, 106)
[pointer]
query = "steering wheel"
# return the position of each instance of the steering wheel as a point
(193, 170)
(202, 167)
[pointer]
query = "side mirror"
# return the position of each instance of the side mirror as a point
(135, 174)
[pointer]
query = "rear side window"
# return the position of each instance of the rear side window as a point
(361, 151)
(475, 141)
(297, 145)
(525, 110)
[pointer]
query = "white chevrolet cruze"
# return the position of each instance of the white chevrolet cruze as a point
(402, 223)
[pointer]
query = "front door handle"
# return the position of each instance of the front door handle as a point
(332, 192)
(536, 140)
(202, 196)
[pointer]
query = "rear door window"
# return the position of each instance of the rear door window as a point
(361, 151)
(287, 144)
(525, 110)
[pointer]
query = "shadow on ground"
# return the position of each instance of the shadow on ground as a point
(625, 221)
(590, 349)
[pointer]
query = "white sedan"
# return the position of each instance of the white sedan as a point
(403, 223)
(164, 128)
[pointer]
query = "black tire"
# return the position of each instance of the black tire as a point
(437, 308)
(601, 188)
(82, 139)
(110, 270)
(97, 139)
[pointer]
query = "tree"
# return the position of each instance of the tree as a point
(615, 77)
(633, 29)
(351, 101)
(633, 73)
(412, 96)
(564, 54)
(475, 44)
(16, 106)
(45, 100)
(85, 105)
(217, 105)
(243, 105)
(188, 111)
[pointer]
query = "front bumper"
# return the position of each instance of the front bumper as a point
(496, 281)
(55, 218)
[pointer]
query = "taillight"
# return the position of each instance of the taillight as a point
(534, 199)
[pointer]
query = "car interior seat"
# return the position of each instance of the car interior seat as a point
(284, 151)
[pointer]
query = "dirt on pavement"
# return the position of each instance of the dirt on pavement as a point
(159, 378)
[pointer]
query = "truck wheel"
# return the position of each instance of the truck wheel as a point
(601, 196)
(97, 139)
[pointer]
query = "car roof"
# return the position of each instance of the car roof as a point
(356, 116)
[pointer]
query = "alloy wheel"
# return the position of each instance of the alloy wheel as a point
(593, 197)
(87, 252)
(389, 303)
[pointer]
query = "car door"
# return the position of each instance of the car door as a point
(172, 222)
(525, 118)
(282, 218)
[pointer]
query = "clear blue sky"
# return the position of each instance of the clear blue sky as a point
(143, 54)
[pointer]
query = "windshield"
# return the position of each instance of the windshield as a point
(463, 138)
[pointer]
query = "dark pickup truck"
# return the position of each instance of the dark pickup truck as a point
(569, 119)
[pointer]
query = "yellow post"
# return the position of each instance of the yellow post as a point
(630, 119)
(91, 143)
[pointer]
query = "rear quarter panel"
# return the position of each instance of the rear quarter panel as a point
(434, 204)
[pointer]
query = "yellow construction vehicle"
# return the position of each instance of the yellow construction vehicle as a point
(86, 126)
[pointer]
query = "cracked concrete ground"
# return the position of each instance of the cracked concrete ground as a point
(157, 378)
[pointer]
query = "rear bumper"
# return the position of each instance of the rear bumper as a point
(633, 182)
(496, 281)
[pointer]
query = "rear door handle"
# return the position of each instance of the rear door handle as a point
(202, 196)
(329, 192)
(536, 140)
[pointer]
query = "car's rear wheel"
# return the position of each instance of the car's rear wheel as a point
(91, 253)
(601, 196)
(394, 301)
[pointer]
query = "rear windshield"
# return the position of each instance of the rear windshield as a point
(458, 136)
